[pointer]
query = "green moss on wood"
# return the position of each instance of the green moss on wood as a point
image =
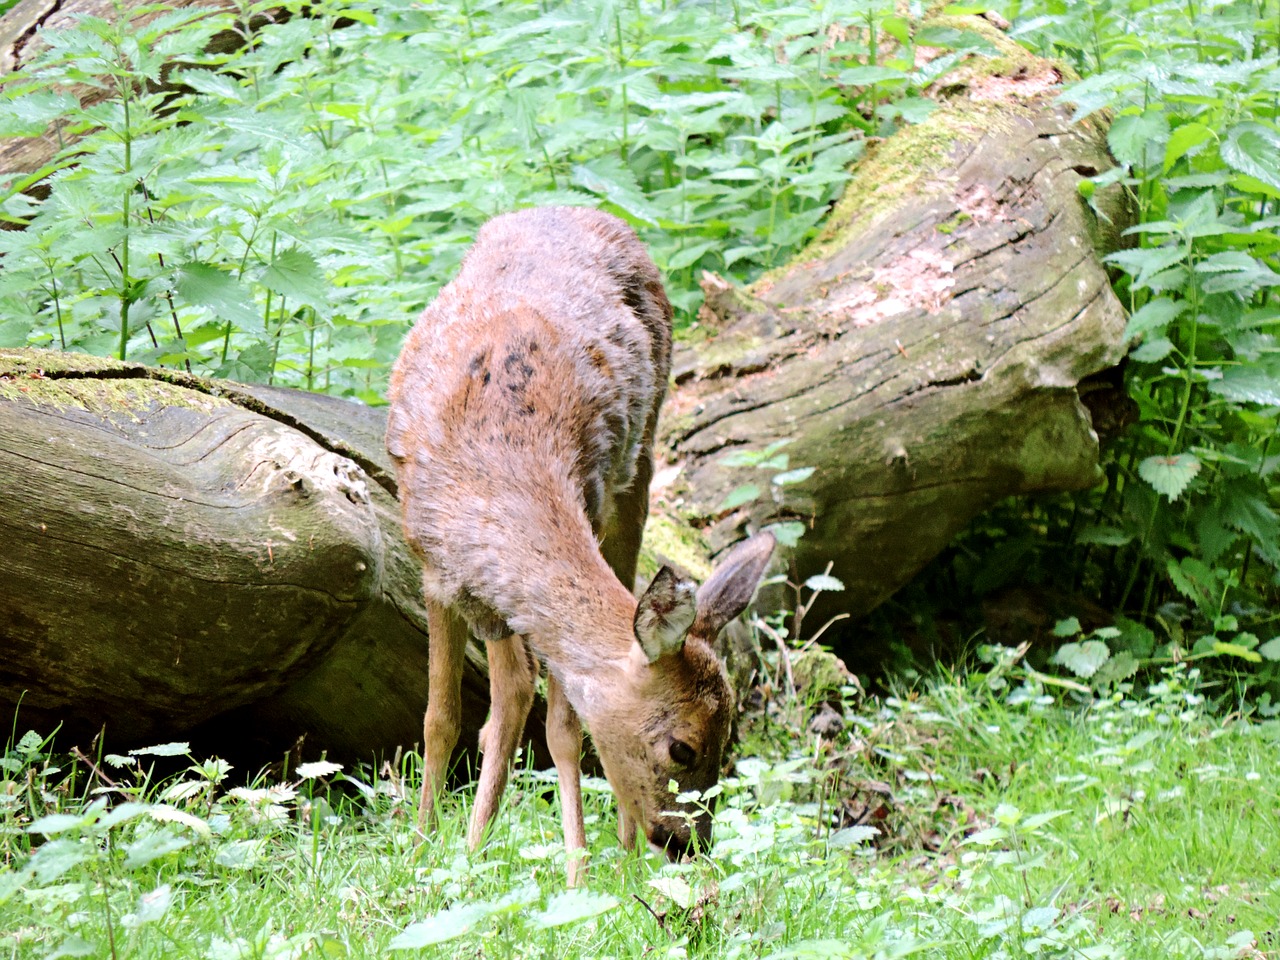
(666, 538)
(107, 396)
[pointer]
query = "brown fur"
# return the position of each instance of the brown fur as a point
(523, 409)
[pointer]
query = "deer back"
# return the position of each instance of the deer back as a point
(521, 402)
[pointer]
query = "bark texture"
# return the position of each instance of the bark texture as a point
(183, 553)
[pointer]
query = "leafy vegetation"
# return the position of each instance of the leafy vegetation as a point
(984, 818)
(282, 212)
(1183, 537)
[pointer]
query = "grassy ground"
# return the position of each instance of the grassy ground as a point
(978, 819)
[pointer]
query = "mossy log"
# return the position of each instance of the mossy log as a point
(946, 342)
(184, 555)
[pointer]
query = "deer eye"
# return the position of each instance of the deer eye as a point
(682, 753)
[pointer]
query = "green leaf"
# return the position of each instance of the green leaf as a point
(1194, 580)
(73, 946)
(852, 837)
(1271, 649)
(824, 582)
(1153, 350)
(1119, 668)
(788, 533)
(1169, 475)
(1084, 658)
(205, 285)
(56, 857)
(740, 495)
(53, 824)
(154, 905)
(1184, 139)
(1104, 536)
(675, 889)
(1254, 150)
(175, 749)
(152, 847)
(864, 76)
(1236, 650)
(1154, 317)
(296, 275)
(1134, 138)
(1250, 383)
(573, 906)
(794, 476)
(457, 921)
(1066, 628)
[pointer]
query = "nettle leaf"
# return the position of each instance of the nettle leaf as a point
(1066, 628)
(852, 837)
(1194, 580)
(740, 495)
(864, 76)
(1183, 140)
(296, 275)
(317, 768)
(175, 749)
(574, 906)
(1118, 669)
(56, 857)
(152, 847)
(1084, 658)
(1104, 536)
(1153, 350)
(457, 921)
(824, 582)
(204, 285)
(1254, 150)
(1134, 137)
(1154, 317)
(788, 533)
(1249, 384)
(675, 889)
(794, 476)
(1169, 475)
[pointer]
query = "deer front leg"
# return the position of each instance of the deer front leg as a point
(511, 680)
(564, 738)
(446, 655)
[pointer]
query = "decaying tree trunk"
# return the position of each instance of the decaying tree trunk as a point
(182, 553)
(926, 354)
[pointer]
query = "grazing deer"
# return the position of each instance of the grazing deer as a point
(523, 410)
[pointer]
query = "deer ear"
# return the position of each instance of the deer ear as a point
(664, 614)
(732, 586)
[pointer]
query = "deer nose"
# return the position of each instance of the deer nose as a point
(680, 841)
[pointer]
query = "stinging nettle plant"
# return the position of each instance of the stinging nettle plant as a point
(1185, 533)
(282, 211)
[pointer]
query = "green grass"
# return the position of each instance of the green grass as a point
(1013, 825)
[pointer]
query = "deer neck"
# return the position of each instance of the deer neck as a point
(561, 593)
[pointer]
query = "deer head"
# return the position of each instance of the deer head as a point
(669, 717)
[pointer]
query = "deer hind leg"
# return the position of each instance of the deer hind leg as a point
(564, 738)
(511, 680)
(446, 655)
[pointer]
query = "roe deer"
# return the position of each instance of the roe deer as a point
(523, 410)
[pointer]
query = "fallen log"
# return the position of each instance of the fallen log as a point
(184, 553)
(931, 353)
